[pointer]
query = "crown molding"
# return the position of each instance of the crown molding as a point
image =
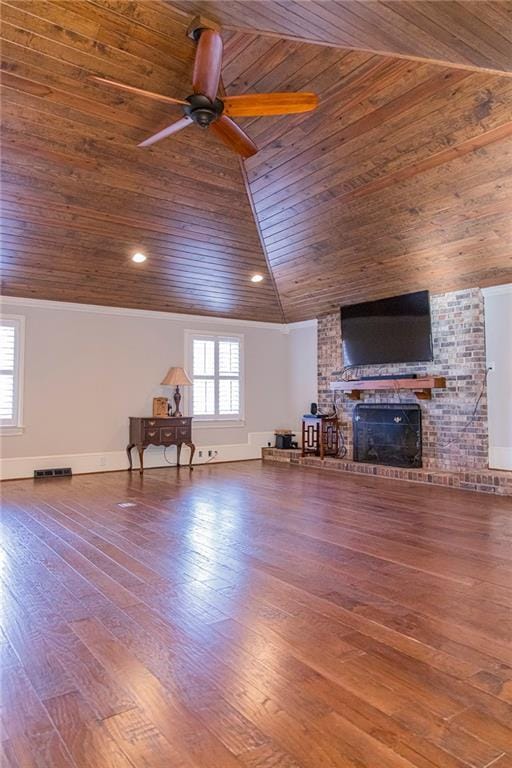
(19, 301)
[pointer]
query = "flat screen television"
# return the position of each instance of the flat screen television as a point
(394, 330)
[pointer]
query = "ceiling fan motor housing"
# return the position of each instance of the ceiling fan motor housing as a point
(203, 111)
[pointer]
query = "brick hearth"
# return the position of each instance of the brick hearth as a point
(487, 481)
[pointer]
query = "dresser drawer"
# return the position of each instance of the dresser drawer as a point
(154, 423)
(162, 431)
(152, 435)
(168, 434)
(184, 421)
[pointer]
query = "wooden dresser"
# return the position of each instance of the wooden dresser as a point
(170, 430)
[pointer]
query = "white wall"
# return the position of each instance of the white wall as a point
(498, 340)
(302, 367)
(87, 369)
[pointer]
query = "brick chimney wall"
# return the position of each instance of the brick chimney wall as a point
(450, 441)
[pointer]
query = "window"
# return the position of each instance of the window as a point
(11, 371)
(215, 366)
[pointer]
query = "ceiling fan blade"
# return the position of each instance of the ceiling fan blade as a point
(138, 91)
(256, 104)
(236, 139)
(173, 128)
(207, 64)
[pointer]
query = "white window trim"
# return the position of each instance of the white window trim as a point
(216, 420)
(16, 428)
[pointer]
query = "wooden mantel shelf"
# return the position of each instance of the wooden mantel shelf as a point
(422, 387)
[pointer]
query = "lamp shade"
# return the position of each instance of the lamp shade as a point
(176, 377)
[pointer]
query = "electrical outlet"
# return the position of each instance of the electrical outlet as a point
(210, 454)
(200, 454)
(491, 366)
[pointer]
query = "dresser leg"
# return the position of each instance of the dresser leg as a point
(140, 449)
(178, 454)
(129, 452)
(192, 451)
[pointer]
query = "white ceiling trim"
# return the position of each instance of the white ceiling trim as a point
(20, 301)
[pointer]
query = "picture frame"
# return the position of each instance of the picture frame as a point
(160, 406)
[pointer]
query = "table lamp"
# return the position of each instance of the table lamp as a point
(176, 377)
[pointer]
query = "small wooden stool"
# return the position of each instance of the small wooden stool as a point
(320, 436)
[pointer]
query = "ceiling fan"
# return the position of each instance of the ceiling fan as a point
(206, 109)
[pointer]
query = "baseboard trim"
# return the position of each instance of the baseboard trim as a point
(113, 461)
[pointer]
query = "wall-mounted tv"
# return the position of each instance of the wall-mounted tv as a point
(394, 330)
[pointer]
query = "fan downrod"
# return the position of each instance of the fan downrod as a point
(203, 111)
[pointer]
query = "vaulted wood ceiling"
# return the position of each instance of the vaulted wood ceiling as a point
(401, 180)
(461, 33)
(80, 197)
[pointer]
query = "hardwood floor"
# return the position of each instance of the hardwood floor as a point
(254, 616)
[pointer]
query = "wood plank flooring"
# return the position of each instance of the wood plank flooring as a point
(254, 616)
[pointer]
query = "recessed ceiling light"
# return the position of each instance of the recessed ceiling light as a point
(138, 258)
(256, 278)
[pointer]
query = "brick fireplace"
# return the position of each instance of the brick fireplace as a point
(459, 355)
(453, 453)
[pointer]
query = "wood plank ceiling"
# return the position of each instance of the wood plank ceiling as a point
(401, 180)
(460, 33)
(79, 197)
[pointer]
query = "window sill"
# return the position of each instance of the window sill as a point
(217, 423)
(11, 431)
